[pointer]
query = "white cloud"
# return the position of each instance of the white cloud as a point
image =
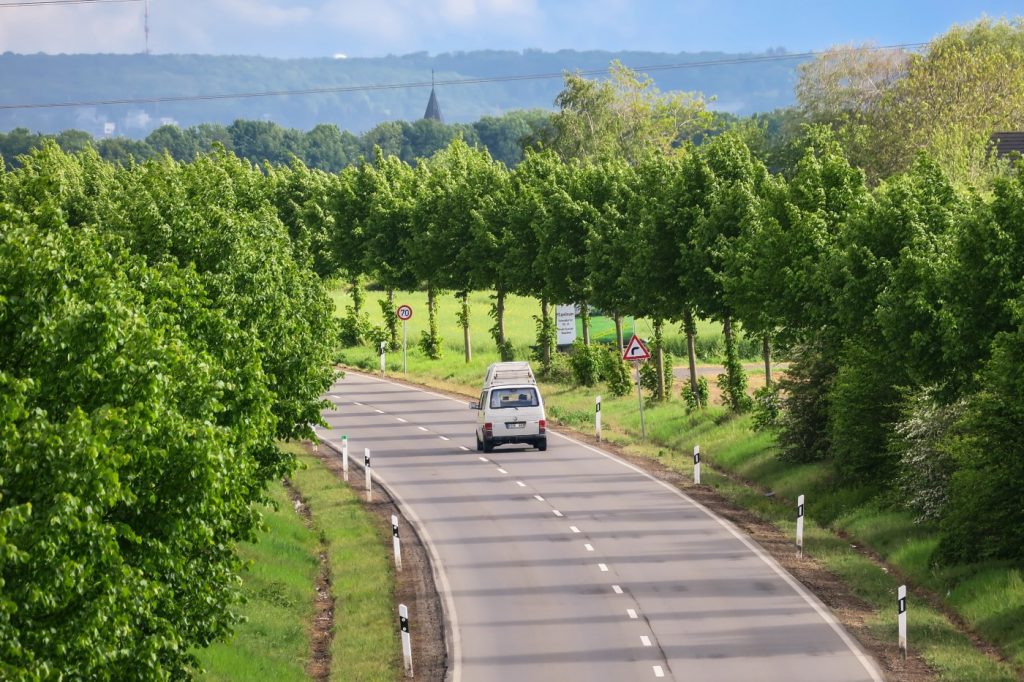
(264, 12)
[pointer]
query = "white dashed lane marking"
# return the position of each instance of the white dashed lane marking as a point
(483, 459)
(463, 447)
(658, 672)
(616, 589)
(556, 512)
(445, 438)
(538, 498)
(574, 529)
(590, 547)
(400, 419)
(520, 484)
(502, 470)
(422, 428)
(645, 640)
(379, 411)
(631, 613)
(603, 567)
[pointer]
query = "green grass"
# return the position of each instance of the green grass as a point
(366, 645)
(743, 466)
(273, 642)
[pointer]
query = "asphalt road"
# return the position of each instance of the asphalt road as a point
(573, 565)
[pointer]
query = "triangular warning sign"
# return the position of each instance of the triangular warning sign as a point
(636, 350)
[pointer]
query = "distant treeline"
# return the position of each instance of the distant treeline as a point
(325, 147)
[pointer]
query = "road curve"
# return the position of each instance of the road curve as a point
(574, 565)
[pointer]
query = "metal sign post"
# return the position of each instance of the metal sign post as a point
(636, 352)
(404, 313)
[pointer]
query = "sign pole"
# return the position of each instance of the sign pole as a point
(597, 418)
(640, 399)
(405, 361)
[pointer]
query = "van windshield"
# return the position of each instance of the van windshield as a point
(522, 396)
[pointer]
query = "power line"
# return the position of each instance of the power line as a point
(422, 84)
(37, 3)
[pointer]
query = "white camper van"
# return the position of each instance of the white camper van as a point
(510, 409)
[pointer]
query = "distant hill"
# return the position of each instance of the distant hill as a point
(740, 88)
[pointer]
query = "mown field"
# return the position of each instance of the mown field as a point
(744, 466)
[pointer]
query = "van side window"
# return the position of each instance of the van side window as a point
(483, 399)
(521, 396)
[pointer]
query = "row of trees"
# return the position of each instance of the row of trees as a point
(894, 303)
(324, 147)
(157, 337)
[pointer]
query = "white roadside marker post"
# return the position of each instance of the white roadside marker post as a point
(800, 525)
(369, 474)
(597, 418)
(344, 457)
(403, 624)
(382, 343)
(696, 465)
(901, 609)
(396, 542)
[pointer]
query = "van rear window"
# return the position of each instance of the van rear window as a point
(514, 397)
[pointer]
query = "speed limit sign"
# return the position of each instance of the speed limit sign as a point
(404, 312)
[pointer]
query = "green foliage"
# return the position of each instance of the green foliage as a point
(696, 400)
(157, 335)
(354, 329)
(767, 408)
(985, 518)
(614, 370)
(546, 336)
(585, 362)
(805, 392)
(390, 332)
(649, 373)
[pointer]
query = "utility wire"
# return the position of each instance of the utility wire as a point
(424, 84)
(37, 3)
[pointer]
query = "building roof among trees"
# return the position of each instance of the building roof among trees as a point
(1008, 142)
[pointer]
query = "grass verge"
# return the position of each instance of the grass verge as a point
(274, 641)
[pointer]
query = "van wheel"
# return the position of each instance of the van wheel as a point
(479, 445)
(542, 445)
(488, 446)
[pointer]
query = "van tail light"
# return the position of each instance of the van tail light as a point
(543, 424)
(488, 427)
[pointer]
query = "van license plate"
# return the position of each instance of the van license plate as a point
(515, 425)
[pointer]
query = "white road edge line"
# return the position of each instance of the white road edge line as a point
(440, 577)
(809, 598)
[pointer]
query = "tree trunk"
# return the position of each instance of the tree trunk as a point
(393, 327)
(585, 320)
(618, 332)
(660, 357)
(464, 319)
(357, 295)
(691, 348)
(545, 316)
(500, 314)
(766, 353)
(435, 342)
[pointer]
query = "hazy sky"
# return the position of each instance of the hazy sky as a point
(313, 28)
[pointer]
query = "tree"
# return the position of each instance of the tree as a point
(457, 186)
(623, 117)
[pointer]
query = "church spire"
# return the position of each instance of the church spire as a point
(433, 108)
